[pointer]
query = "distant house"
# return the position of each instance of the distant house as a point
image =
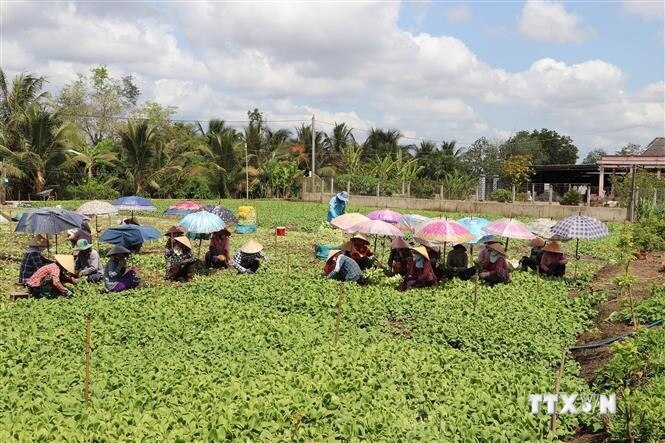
(653, 158)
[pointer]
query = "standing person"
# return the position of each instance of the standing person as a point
(343, 268)
(421, 274)
(83, 232)
(246, 260)
(532, 261)
(180, 262)
(48, 280)
(218, 255)
(86, 262)
(399, 258)
(33, 258)
(495, 270)
(457, 263)
(116, 276)
(553, 263)
(337, 205)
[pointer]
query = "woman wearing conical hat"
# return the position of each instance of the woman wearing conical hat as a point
(343, 268)
(457, 263)
(219, 255)
(48, 280)
(533, 259)
(399, 258)
(180, 262)
(117, 277)
(33, 258)
(495, 270)
(246, 260)
(553, 263)
(359, 251)
(421, 274)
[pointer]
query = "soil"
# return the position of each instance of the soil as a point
(648, 273)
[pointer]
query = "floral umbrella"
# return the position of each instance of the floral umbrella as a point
(346, 221)
(184, 208)
(386, 215)
(475, 225)
(225, 214)
(443, 231)
(509, 228)
(377, 227)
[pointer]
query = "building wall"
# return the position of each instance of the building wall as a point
(536, 210)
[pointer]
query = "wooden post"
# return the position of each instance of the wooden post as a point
(288, 260)
(348, 186)
(340, 299)
(513, 193)
(557, 388)
(408, 189)
(551, 194)
(441, 191)
(377, 189)
(87, 357)
(332, 184)
(275, 241)
(533, 192)
(588, 196)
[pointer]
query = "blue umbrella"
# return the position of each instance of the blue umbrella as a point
(49, 221)
(133, 203)
(129, 235)
(475, 225)
(202, 222)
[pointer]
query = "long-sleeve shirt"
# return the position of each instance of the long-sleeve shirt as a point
(51, 271)
(346, 268)
(242, 260)
(219, 246)
(32, 260)
(336, 207)
(457, 260)
(549, 259)
(498, 268)
(88, 265)
(113, 272)
(421, 277)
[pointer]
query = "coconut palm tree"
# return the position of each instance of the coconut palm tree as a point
(92, 157)
(15, 102)
(381, 142)
(225, 148)
(139, 154)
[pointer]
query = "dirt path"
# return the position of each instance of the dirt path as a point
(591, 360)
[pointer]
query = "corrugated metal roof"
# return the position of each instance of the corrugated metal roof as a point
(656, 147)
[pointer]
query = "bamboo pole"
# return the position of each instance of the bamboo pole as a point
(557, 388)
(87, 357)
(339, 312)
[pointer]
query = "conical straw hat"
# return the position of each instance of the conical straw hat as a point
(66, 261)
(422, 251)
(553, 247)
(184, 241)
(252, 247)
(399, 243)
(333, 252)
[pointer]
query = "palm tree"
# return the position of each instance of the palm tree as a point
(224, 148)
(139, 153)
(40, 157)
(92, 158)
(382, 142)
(340, 138)
(25, 92)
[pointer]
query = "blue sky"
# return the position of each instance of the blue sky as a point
(434, 70)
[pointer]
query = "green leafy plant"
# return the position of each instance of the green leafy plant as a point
(502, 195)
(571, 198)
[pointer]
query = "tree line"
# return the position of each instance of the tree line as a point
(94, 138)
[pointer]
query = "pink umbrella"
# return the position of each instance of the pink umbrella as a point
(443, 231)
(509, 228)
(386, 215)
(183, 208)
(346, 221)
(377, 227)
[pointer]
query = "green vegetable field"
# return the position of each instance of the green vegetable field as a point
(255, 357)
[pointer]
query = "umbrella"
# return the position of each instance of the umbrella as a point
(475, 225)
(184, 208)
(442, 231)
(509, 228)
(202, 222)
(346, 221)
(96, 208)
(49, 221)
(133, 203)
(542, 227)
(4, 219)
(408, 222)
(386, 215)
(580, 227)
(225, 214)
(129, 235)
(377, 227)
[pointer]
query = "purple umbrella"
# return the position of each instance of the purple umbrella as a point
(386, 215)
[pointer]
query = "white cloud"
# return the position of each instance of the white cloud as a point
(647, 10)
(459, 13)
(548, 21)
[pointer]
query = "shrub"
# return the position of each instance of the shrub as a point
(502, 195)
(571, 198)
(193, 186)
(422, 189)
(649, 234)
(91, 189)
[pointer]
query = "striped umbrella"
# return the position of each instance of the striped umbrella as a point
(509, 228)
(386, 215)
(409, 222)
(346, 221)
(580, 227)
